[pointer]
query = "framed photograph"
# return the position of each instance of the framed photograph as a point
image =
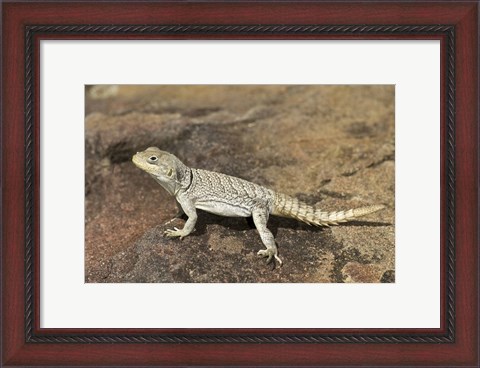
(240, 184)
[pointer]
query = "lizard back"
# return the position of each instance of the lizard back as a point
(227, 195)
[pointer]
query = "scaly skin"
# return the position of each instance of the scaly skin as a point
(230, 196)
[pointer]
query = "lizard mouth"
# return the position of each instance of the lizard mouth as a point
(139, 162)
(142, 164)
(135, 159)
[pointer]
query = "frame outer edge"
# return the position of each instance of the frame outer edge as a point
(32, 30)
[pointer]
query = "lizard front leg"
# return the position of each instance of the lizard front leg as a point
(260, 218)
(188, 208)
(180, 211)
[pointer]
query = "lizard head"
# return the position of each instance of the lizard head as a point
(159, 164)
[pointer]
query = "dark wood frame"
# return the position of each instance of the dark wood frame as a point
(25, 24)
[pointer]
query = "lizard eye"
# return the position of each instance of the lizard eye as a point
(153, 158)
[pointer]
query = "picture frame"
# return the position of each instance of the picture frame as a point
(26, 24)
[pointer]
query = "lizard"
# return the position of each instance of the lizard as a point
(230, 196)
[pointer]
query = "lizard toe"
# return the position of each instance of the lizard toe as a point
(173, 233)
(267, 253)
(280, 262)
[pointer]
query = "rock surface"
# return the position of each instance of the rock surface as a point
(331, 146)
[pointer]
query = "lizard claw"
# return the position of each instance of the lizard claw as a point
(170, 221)
(270, 253)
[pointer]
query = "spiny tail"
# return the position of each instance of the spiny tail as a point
(287, 206)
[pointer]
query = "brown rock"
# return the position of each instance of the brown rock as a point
(332, 146)
(357, 272)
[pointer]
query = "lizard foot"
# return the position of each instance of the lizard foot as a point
(174, 233)
(270, 253)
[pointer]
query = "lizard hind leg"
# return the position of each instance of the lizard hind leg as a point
(260, 218)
